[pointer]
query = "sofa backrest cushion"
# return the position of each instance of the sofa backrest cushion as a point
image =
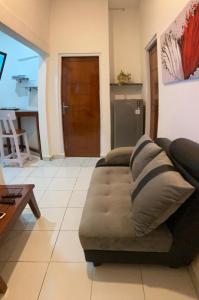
(186, 153)
(119, 156)
(184, 223)
(145, 150)
(157, 193)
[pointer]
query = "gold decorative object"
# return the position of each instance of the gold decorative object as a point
(123, 78)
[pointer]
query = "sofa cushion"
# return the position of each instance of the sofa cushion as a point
(157, 193)
(144, 151)
(144, 140)
(107, 222)
(119, 156)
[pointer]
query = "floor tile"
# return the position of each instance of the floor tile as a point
(82, 183)
(55, 198)
(73, 161)
(77, 199)
(51, 163)
(2, 266)
(25, 171)
(68, 248)
(35, 246)
(67, 281)
(7, 178)
(61, 184)
(117, 282)
(86, 172)
(44, 172)
(68, 172)
(166, 283)
(18, 180)
(9, 173)
(24, 280)
(90, 161)
(8, 245)
(51, 219)
(38, 195)
(40, 183)
(72, 219)
(22, 221)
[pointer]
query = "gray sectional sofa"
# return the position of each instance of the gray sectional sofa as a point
(107, 230)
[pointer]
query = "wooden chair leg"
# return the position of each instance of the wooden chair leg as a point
(3, 286)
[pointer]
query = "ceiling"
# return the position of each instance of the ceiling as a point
(123, 3)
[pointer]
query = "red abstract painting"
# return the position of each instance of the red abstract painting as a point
(180, 46)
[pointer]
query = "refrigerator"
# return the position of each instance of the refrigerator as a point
(127, 122)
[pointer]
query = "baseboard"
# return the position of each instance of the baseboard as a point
(195, 279)
(58, 156)
(47, 158)
(102, 155)
(61, 156)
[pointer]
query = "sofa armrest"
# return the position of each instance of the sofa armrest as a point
(119, 156)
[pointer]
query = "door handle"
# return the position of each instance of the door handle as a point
(64, 107)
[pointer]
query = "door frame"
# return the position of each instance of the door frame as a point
(76, 54)
(148, 83)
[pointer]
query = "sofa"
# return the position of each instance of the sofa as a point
(107, 231)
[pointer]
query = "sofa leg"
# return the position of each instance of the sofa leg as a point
(96, 264)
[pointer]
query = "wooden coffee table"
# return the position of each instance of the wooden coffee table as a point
(14, 211)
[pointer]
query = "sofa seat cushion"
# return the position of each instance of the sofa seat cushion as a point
(107, 222)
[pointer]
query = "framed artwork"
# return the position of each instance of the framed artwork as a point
(180, 46)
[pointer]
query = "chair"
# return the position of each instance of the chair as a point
(8, 131)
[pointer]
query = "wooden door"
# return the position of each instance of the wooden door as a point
(81, 106)
(153, 60)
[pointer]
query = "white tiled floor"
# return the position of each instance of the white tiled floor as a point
(43, 260)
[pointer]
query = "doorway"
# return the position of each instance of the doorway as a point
(80, 106)
(19, 87)
(153, 65)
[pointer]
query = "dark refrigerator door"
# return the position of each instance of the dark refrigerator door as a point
(128, 122)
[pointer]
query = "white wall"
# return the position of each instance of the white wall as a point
(179, 102)
(28, 18)
(124, 35)
(179, 105)
(20, 60)
(78, 27)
